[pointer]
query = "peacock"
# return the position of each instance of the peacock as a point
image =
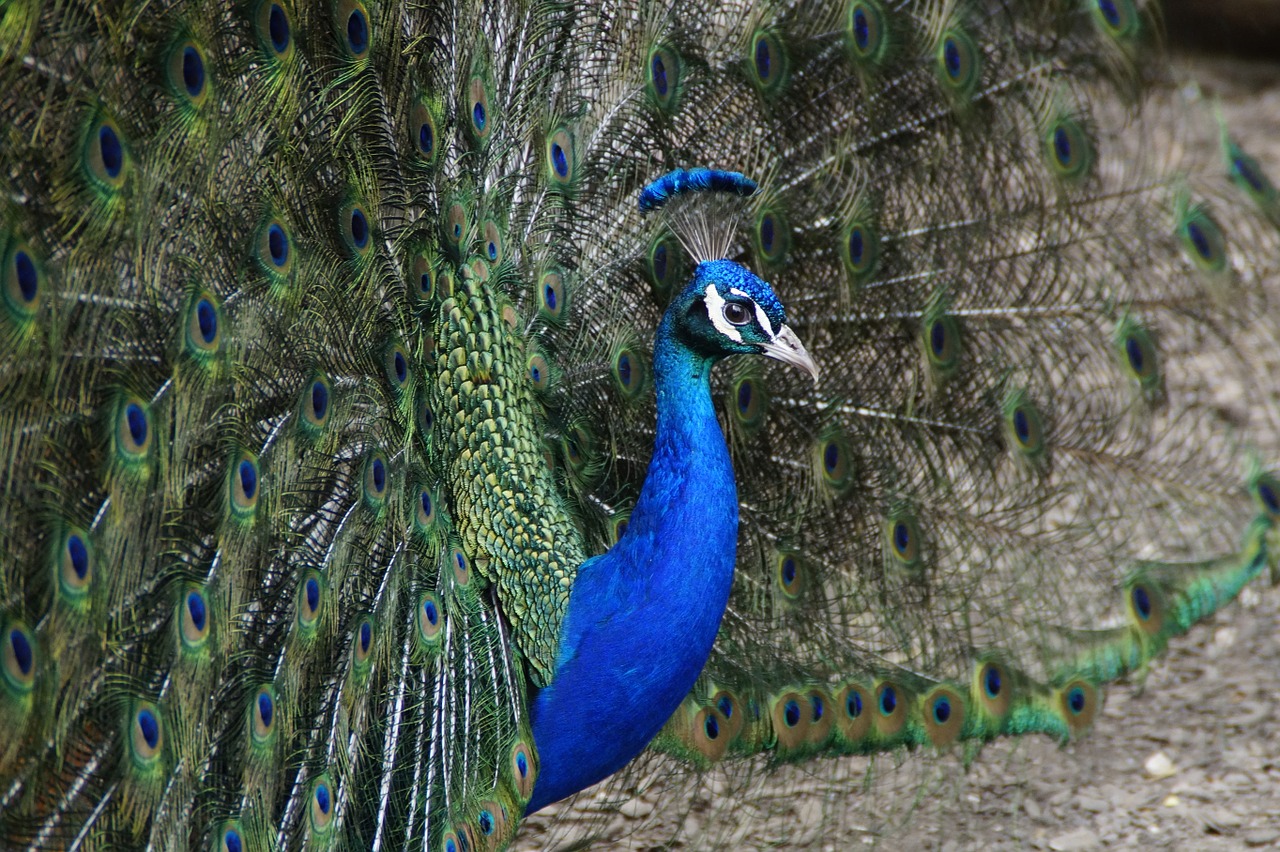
(414, 412)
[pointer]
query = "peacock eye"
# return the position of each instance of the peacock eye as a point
(736, 313)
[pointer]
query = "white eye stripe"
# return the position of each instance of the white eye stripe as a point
(763, 319)
(715, 310)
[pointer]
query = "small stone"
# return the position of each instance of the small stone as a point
(1159, 766)
(1262, 837)
(1079, 840)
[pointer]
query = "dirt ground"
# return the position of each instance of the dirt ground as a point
(1192, 761)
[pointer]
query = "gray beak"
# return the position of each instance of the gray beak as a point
(788, 348)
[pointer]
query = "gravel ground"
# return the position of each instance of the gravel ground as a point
(1189, 761)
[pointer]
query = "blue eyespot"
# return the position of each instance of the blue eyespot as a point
(277, 245)
(853, 704)
(248, 479)
(559, 161)
(762, 58)
(888, 700)
(478, 115)
(991, 682)
(27, 275)
(278, 28)
(112, 152)
(359, 228)
(206, 320)
(1141, 602)
(357, 32)
(941, 711)
(658, 75)
(1076, 700)
(711, 727)
(791, 714)
(148, 727)
(192, 71)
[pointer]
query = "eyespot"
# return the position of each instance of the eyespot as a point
(663, 82)
(865, 33)
(833, 462)
(1146, 607)
(18, 663)
(628, 372)
(958, 62)
(423, 132)
(1117, 18)
(75, 565)
(1069, 149)
(481, 121)
(942, 343)
(104, 155)
(186, 72)
(263, 715)
(133, 430)
(275, 250)
(315, 404)
(492, 242)
(396, 364)
(243, 485)
(618, 525)
(737, 313)
(230, 838)
(768, 62)
(539, 372)
(1023, 426)
(902, 539)
(790, 574)
(375, 480)
(204, 325)
(1266, 490)
(352, 20)
(1137, 353)
(461, 565)
(853, 716)
(425, 514)
(362, 645)
(663, 264)
(193, 619)
(456, 227)
(523, 769)
(310, 600)
(772, 237)
(552, 296)
(1078, 702)
(860, 251)
(430, 620)
(560, 157)
(749, 402)
(943, 714)
(321, 812)
(992, 689)
(1203, 241)
(146, 734)
(274, 30)
(891, 709)
(23, 281)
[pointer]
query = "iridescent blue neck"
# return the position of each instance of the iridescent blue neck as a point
(642, 617)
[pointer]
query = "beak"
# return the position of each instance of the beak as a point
(788, 348)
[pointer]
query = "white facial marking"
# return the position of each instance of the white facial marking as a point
(715, 310)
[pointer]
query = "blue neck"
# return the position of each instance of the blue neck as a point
(642, 618)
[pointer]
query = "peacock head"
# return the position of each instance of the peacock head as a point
(726, 310)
